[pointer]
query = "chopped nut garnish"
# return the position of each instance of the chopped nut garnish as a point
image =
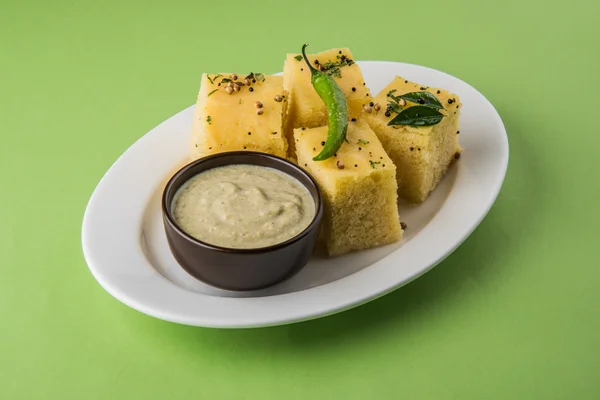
(340, 164)
(258, 104)
(236, 88)
(229, 84)
(229, 89)
(247, 81)
(377, 107)
(367, 108)
(260, 111)
(402, 102)
(278, 98)
(234, 77)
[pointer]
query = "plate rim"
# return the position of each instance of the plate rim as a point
(151, 280)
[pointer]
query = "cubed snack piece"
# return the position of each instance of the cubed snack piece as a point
(358, 186)
(306, 109)
(422, 154)
(239, 112)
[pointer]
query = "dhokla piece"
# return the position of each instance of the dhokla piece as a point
(239, 112)
(422, 154)
(358, 186)
(306, 109)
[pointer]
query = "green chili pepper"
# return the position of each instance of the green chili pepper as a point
(337, 109)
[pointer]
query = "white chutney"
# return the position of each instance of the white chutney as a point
(243, 206)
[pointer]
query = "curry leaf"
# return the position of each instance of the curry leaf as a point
(425, 99)
(417, 116)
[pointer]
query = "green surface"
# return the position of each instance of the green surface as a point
(514, 313)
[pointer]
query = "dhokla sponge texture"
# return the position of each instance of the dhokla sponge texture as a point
(359, 189)
(229, 120)
(423, 154)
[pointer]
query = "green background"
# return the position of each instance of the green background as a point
(514, 313)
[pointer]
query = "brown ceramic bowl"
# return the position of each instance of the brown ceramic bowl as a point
(241, 269)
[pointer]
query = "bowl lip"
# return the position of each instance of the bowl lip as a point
(166, 209)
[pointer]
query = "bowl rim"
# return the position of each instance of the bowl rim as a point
(166, 210)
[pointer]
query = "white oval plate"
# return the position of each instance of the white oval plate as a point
(126, 249)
